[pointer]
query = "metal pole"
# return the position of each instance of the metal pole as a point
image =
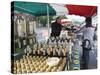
(48, 20)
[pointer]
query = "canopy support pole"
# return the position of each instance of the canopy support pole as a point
(48, 21)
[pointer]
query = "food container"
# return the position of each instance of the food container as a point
(55, 68)
(52, 70)
(21, 60)
(60, 68)
(19, 71)
(36, 69)
(18, 66)
(48, 70)
(22, 66)
(14, 72)
(41, 70)
(24, 71)
(27, 67)
(28, 71)
(32, 68)
(41, 65)
(52, 61)
(17, 61)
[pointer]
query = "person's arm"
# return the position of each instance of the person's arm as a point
(81, 30)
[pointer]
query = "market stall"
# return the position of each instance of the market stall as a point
(57, 53)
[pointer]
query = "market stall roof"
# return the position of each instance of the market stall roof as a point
(33, 8)
(86, 11)
(59, 8)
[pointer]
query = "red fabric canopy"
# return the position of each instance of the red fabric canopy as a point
(86, 11)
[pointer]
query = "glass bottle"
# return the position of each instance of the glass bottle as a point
(54, 52)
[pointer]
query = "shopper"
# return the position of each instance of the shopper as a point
(95, 34)
(56, 27)
(88, 33)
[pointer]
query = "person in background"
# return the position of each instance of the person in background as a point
(56, 27)
(88, 33)
(95, 34)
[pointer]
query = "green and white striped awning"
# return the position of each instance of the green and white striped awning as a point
(38, 9)
(33, 8)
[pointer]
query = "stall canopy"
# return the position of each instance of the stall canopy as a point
(36, 9)
(60, 9)
(86, 11)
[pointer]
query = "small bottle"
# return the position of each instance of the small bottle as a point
(55, 42)
(19, 44)
(25, 51)
(48, 51)
(44, 52)
(30, 41)
(14, 72)
(52, 39)
(54, 52)
(38, 51)
(29, 49)
(70, 47)
(24, 42)
(18, 71)
(59, 52)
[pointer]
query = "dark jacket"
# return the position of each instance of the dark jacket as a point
(56, 29)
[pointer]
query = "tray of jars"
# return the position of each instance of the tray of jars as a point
(50, 50)
(36, 64)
